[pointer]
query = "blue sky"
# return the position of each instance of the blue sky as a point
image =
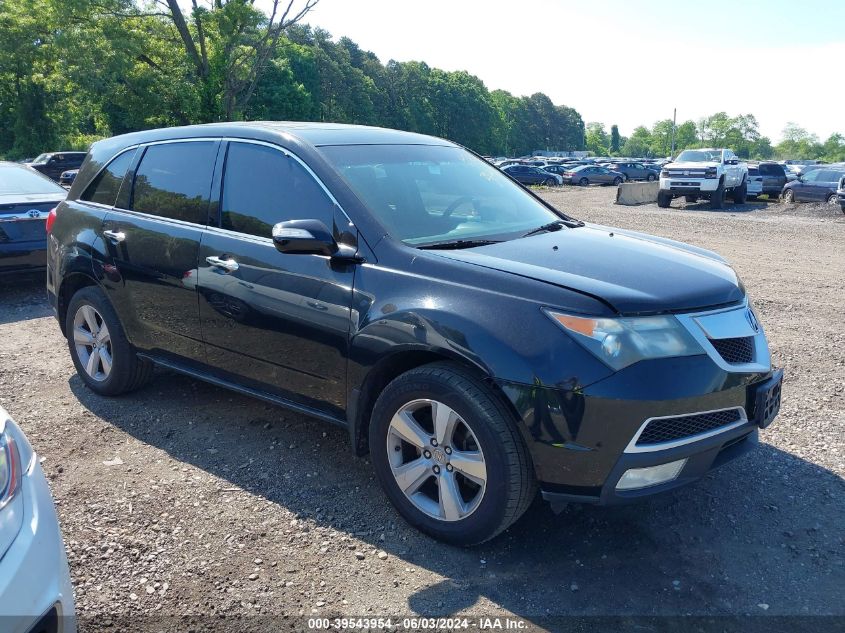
(628, 62)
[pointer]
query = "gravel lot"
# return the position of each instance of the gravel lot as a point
(187, 500)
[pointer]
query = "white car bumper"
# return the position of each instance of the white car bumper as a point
(34, 575)
(681, 185)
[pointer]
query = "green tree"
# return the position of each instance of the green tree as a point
(615, 139)
(597, 140)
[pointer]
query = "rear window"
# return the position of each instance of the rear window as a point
(173, 181)
(15, 179)
(103, 189)
(771, 170)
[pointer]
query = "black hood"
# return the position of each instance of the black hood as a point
(633, 272)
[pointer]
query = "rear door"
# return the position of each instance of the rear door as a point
(278, 322)
(152, 237)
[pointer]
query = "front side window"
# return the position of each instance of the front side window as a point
(262, 186)
(173, 180)
(426, 194)
(811, 176)
(103, 189)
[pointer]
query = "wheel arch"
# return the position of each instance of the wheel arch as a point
(70, 285)
(362, 399)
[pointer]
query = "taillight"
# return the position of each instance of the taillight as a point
(51, 217)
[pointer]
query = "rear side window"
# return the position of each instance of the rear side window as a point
(103, 189)
(262, 186)
(173, 181)
(771, 170)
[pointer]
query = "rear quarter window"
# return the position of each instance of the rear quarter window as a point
(104, 188)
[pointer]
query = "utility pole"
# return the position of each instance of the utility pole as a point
(674, 122)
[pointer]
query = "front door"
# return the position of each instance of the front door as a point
(154, 245)
(279, 322)
(805, 190)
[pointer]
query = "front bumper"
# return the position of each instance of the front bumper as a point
(680, 185)
(580, 440)
(35, 587)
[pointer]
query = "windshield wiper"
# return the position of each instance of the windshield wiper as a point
(557, 225)
(456, 244)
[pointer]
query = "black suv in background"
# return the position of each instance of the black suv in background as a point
(774, 178)
(54, 163)
(474, 340)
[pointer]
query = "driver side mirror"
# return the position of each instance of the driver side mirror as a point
(304, 237)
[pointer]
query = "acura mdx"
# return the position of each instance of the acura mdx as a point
(478, 343)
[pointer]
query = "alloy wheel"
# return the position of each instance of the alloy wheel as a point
(92, 342)
(436, 460)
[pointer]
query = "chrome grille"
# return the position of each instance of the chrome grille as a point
(661, 430)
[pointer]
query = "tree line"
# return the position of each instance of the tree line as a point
(739, 133)
(73, 71)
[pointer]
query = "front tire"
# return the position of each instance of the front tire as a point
(740, 194)
(717, 198)
(449, 456)
(103, 357)
(832, 199)
(789, 196)
(583, 182)
(663, 199)
(550, 182)
(651, 178)
(617, 181)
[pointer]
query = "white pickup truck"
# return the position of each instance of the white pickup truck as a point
(704, 173)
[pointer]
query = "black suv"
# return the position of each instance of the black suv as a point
(475, 341)
(54, 163)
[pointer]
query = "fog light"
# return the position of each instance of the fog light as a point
(636, 478)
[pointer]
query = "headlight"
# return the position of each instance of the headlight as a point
(665, 174)
(624, 341)
(10, 470)
(15, 459)
(710, 172)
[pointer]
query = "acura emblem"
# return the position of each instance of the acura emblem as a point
(752, 320)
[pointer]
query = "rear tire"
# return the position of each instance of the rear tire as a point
(740, 194)
(550, 182)
(617, 181)
(103, 357)
(663, 199)
(832, 199)
(717, 198)
(651, 178)
(489, 433)
(583, 182)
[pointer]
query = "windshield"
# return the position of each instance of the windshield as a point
(425, 194)
(41, 158)
(699, 156)
(22, 180)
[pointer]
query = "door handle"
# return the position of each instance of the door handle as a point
(229, 265)
(115, 236)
